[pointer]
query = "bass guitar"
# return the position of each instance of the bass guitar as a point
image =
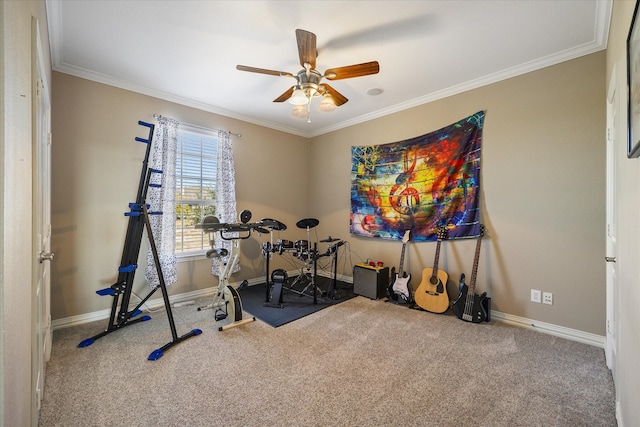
(431, 294)
(399, 288)
(470, 306)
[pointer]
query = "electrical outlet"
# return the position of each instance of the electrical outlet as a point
(535, 295)
(547, 298)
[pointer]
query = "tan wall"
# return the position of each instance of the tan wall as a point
(96, 170)
(16, 257)
(627, 318)
(542, 187)
(543, 191)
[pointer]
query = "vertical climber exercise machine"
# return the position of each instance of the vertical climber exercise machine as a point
(121, 315)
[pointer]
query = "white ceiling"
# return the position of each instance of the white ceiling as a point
(187, 51)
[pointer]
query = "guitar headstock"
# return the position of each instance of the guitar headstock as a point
(441, 232)
(483, 230)
(407, 236)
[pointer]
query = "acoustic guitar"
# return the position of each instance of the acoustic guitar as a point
(399, 289)
(470, 306)
(431, 294)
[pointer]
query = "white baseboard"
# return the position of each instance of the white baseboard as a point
(158, 303)
(551, 329)
(547, 328)
(151, 304)
(619, 413)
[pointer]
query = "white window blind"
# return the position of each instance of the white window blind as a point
(196, 168)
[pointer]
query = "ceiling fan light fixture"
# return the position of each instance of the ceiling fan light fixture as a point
(300, 112)
(308, 84)
(327, 105)
(298, 97)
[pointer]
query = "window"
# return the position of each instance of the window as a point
(196, 166)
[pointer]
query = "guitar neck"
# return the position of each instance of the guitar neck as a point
(472, 282)
(435, 261)
(401, 260)
(405, 239)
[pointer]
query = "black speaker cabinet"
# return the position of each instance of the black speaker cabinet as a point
(370, 282)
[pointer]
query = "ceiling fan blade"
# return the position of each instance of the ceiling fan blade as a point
(338, 98)
(263, 71)
(284, 96)
(307, 48)
(351, 71)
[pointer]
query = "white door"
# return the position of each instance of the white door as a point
(613, 147)
(40, 318)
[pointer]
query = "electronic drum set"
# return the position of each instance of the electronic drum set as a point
(303, 251)
(226, 301)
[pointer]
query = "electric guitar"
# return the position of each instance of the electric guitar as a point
(431, 294)
(470, 306)
(399, 289)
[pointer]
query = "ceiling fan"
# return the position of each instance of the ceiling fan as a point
(308, 79)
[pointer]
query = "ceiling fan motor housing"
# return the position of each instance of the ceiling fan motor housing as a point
(309, 81)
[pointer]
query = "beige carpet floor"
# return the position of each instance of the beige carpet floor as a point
(358, 363)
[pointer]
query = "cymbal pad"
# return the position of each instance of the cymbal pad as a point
(307, 223)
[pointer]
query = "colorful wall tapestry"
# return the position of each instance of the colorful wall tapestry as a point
(420, 184)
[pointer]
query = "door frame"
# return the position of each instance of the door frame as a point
(41, 337)
(612, 298)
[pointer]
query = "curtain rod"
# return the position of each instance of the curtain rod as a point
(239, 135)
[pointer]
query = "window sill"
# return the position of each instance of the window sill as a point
(191, 256)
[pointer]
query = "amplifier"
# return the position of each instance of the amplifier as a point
(370, 282)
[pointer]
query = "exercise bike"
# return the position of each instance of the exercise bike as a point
(226, 301)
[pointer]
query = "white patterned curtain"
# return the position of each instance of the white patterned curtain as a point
(163, 200)
(225, 196)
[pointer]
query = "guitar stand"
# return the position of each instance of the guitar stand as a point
(121, 316)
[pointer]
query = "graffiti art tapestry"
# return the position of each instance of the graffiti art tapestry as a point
(420, 184)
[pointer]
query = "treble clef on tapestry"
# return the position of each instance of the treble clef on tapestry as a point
(402, 197)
